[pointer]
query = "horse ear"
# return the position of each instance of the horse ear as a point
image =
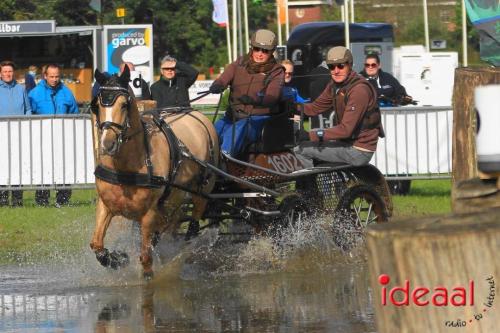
(125, 76)
(100, 77)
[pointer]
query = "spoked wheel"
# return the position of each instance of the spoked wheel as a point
(359, 207)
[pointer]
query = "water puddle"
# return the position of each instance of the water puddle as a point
(294, 282)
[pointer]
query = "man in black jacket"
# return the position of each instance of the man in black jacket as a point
(390, 92)
(172, 88)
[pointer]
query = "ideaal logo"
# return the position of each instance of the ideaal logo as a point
(438, 296)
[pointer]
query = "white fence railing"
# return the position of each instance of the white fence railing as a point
(57, 151)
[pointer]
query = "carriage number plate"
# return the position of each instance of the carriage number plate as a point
(285, 163)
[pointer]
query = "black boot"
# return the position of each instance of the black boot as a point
(42, 197)
(62, 197)
(17, 198)
(4, 198)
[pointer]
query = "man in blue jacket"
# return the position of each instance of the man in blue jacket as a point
(13, 102)
(51, 96)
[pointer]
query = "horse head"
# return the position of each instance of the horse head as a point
(112, 110)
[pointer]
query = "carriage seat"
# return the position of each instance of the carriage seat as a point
(277, 135)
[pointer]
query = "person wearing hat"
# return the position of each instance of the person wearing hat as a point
(357, 122)
(255, 82)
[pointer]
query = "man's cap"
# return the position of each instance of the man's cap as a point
(265, 39)
(339, 55)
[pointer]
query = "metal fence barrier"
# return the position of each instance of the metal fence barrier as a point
(56, 152)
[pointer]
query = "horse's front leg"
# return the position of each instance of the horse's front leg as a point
(148, 226)
(107, 259)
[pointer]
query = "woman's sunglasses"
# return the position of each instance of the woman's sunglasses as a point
(333, 66)
(371, 65)
(258, 49)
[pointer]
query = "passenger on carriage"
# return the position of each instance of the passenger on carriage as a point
(289, 91)
(353, 138)
(255, 80)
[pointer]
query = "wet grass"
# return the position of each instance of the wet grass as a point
(426, 197)
(32, 233)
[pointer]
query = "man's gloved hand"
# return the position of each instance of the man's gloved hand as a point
(408, 100)
(216, 88)
(245, 99)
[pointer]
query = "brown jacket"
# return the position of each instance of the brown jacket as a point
(360, 98)
(253, 85)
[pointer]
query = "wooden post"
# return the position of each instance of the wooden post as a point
(449, 252)
(464, 161)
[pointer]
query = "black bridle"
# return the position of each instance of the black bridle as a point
(107, 97)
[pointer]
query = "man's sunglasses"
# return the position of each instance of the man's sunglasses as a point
(168, 69)
(370, 65)
(333, 66)
(258, 49)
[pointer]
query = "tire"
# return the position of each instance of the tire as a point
(399, 187)
(364, 204)
(293, 209)
(360, 206)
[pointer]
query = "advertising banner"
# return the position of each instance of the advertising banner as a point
(129, 43)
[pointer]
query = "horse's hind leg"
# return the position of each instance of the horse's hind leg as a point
(107, 259)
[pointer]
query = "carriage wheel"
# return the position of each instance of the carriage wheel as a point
(293, 209)
(364, 205)
(359, 207)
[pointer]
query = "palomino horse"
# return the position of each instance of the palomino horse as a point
(146, 164)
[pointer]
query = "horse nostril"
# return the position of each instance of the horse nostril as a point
(109, 146)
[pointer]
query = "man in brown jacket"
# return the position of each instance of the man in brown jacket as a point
(353, 138)
(256, 80)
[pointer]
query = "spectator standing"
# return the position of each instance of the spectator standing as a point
(13, 102)
(30, 78)
(172, 88)
(51, 96)
(256, 81)
(353, 138)
(390, 92)
(145, 91)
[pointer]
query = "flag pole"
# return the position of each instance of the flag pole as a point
(278, 21)
(245, 8)
(426, 27)
(346, 24)
(235, 27)
(464, 36)
(228, 36)
(287, 23)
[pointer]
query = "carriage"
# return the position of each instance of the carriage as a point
(266, 187)
(162, 167)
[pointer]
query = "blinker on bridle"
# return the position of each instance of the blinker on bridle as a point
(107, 97)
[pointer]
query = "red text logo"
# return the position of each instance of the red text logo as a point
(422, 296)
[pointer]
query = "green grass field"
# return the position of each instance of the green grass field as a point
(32, 233)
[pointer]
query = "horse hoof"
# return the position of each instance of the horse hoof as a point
(113, 259)
(103, 257)
(148, 276)
(118, 259)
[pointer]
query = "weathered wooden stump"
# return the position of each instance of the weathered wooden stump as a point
(464, 161)
(451, 252)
